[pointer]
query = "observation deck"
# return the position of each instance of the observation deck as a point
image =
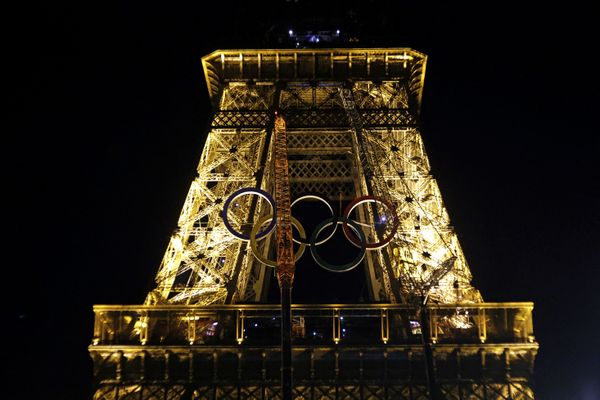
(366, 350)
(317, 65)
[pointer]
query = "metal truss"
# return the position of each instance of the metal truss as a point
(350, 391)
(386, 95)
(352, 130)
(332, 118)
(314, 119)
(316, 65)
(241, 119)
(204, 264)
(373, 373)
(426, 252)
(240, 96)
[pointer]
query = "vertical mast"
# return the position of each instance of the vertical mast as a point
(285, 252)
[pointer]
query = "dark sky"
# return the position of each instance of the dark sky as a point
(107, 116)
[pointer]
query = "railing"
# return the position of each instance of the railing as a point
(319, 325)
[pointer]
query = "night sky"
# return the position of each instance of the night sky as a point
(107, 113)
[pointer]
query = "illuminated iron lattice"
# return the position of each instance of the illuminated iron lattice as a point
(351, 125)
(204, 265)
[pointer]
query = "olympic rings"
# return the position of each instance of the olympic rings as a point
(253, 244)
(369, 199)
(313, 196)
(342, 267)
(352, 230)
(242, 192)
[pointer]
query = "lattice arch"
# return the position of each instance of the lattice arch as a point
(387, 94)
(302, 95)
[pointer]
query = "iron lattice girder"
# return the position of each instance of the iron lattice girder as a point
(205, 364)
(170, 349)
(201, 258)
(397, 118)
(202, 267)
(490, 372)
(201, 244)
(316, 141)
(512, 390)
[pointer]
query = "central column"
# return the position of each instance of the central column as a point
(285, 252)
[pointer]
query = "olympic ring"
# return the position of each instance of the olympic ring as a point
(343, 267)
(242, 192)
(369, 199)
(253, 244)
(313, 196)
(352, 229)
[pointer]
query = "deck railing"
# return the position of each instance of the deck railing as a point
(319, 325)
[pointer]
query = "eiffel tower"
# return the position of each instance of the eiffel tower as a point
(345, 122)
